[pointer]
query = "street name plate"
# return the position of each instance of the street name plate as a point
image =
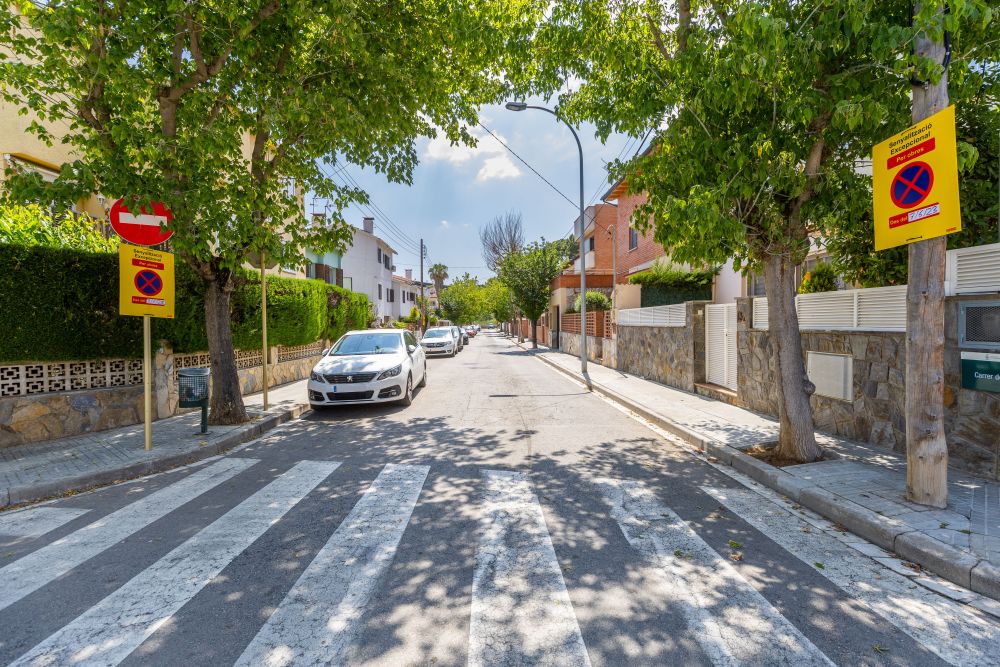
(981, 371)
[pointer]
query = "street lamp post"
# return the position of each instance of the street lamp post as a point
(521, 106)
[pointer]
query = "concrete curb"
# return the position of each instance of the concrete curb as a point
(946, 561)
(17, 495)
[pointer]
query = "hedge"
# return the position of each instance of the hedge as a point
(60, 304)
(663, 286)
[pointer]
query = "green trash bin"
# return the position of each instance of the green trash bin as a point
(192, 390)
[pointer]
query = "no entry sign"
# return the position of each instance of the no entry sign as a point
(147, 227)
(915, 183)
(146, 282)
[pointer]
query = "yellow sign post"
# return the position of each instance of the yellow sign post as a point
(146, 288)
(915, 183)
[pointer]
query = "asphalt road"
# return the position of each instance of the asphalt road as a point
(508, 517)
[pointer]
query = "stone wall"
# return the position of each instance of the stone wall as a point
(39, 417)
(673, 356)
(25, 419)
(570, 344)
(877, 412)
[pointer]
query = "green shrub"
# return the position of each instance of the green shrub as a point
(823, 278)
(32, 225)
(595, 301)
(663, 285)
(61, 304)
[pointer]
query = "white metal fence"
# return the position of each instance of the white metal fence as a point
(973, 270)
(874, 309)
(674, 315)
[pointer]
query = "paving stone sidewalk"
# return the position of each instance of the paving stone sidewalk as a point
(864, 486)
(41, 469)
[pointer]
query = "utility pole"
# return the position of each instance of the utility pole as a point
(926, 447)
(423, 302)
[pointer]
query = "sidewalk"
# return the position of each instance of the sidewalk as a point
(862, 488)
(39, 470)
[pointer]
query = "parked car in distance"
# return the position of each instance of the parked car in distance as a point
(471, 331)
(460, 336)
(370, 366)
(440, 340)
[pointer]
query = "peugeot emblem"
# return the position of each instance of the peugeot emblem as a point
(350, 378)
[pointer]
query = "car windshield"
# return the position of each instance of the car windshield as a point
(437, 333)
(368, 343)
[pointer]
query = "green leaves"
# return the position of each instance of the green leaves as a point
(528, 273)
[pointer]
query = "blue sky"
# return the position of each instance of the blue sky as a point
(457, 189)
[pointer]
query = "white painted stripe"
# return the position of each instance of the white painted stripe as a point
(727, 616)
(950, 630)
(37, 521)
(109, 631)
(318, 620)
(144, 219)
(521, 611)
(28, 574)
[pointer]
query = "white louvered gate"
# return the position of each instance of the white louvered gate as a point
(720, 344)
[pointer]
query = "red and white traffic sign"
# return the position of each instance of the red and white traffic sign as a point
(143, 228)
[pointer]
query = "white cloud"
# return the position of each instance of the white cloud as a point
(492, 158)
(499, 167)
(445, 224)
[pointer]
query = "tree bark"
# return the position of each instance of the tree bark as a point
(797, 439)
(926, 446)
(227, 399)
(534, 334)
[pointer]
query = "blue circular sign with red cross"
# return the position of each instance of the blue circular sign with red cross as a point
(912, 184)
(148, 282)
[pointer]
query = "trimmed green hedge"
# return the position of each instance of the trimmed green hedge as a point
(663, 286)
(59, 304)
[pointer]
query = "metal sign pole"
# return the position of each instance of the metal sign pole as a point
(263, 322)
(147, 382)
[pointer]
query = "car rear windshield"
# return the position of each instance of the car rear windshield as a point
(368, 343)
(437, 333)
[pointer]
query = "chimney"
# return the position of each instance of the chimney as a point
(409, 274)
(369, 225)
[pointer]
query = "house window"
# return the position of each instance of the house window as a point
(385, 260)
(590, 243)
(379, 255)
(380, 291)
(755, 285)
(392, 295)
(633, 239)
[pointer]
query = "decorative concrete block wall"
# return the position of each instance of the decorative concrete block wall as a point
(877, 410)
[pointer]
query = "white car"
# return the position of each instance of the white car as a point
(439, 340)
(371, 366)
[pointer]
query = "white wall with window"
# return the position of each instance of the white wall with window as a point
(368, 265)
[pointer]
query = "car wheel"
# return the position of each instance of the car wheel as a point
(408, 396)
(423, 379)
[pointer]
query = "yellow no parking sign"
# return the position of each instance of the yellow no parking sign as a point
(915, 183)
(146, 281)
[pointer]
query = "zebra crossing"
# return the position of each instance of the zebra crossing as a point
(520, 609)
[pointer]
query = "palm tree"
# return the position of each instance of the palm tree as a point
(439, 274)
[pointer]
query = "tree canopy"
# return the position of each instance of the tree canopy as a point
(229, 112)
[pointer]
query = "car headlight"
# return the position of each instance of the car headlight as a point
(316, 377)
(391, 373)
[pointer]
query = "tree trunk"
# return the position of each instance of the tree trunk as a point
(227, 400)
(797, 439)
(534, 334)
(926, 446)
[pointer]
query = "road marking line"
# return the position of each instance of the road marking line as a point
(317, 621)
(26, 575)
(109, 631)
(727, 616)
(950, 630)
(37, 521)
(521, 611)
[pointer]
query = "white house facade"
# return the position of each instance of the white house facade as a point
(367, 267)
